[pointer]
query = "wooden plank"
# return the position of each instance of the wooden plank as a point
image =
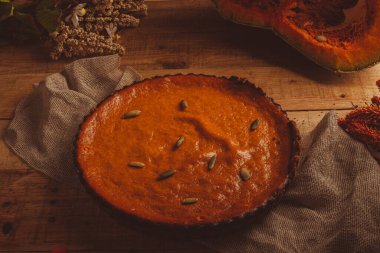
(40, 214)
(170, 43)
(296, 92)
(179, 36)
(122, 251)
(307, 120)
(165, 36)
(292, 90)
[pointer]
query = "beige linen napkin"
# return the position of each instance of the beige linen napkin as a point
(45, 124)
(332, 205)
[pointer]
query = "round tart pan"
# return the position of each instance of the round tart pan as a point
(256, 146)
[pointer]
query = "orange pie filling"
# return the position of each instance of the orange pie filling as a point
(186, 149)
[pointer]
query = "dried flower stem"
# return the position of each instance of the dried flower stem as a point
(90, 27)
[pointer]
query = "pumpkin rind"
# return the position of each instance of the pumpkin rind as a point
(350, 45)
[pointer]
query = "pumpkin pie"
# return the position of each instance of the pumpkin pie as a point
(187, 149)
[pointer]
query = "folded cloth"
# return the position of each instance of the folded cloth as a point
(332, 205)
(45, 123)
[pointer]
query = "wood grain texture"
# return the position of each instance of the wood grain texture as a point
(179, 36)
(189, 36)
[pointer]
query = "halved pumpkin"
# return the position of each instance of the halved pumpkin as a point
(341, 35)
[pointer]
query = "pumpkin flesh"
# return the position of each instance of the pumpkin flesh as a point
(340, 35)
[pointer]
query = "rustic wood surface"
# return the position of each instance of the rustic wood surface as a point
(37, 214)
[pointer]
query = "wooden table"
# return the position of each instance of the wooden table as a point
(185, 36)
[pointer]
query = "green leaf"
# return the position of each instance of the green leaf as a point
(24, 26)
(48, 19)
(6, 10)
(47, 15)
(46, 4)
